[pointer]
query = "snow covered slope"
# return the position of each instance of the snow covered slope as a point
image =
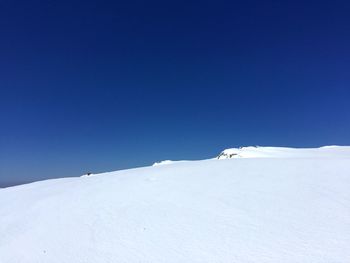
(282, 152)
(290, 209)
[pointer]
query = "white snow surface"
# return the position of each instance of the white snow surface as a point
(291, 206)
(283, 152)
(163, 162)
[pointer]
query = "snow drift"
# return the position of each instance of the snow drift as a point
(283, 152)
(292, 205)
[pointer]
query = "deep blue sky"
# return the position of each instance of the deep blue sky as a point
(105, 85)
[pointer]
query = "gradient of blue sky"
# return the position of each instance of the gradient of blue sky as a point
(106, 85)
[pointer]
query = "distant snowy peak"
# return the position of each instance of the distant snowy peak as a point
(235, 152)
(284, 152)
(163, 162)
(278, 152)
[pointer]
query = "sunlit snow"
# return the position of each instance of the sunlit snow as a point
(271, 205)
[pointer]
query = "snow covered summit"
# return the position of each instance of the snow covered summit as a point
(290, 206)
(283, 152)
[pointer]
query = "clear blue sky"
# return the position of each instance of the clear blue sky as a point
(105, 85)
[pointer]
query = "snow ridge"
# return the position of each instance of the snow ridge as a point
(284, 152)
